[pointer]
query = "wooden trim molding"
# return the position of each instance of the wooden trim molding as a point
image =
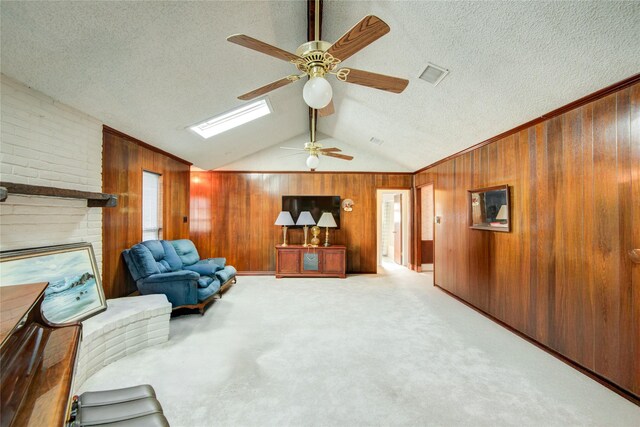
(115, 132)
(558, 111)
(631, 397)
(314, 172)
(256, 273)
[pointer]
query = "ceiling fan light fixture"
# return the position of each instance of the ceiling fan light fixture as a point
(317, 92)
(313, 161)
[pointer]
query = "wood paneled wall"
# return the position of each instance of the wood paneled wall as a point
(123, 160)
(232, 214)
(562, 276)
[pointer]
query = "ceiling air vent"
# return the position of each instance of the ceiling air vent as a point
(376, 141)
(433, 74)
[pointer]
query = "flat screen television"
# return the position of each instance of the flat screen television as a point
(314, 204)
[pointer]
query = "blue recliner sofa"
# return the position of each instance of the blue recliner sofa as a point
(174, 268)
(211, 267)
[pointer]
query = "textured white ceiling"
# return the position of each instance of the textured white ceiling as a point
(366, 159)
(152, 68)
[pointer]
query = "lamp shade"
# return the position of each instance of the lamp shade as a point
(502, 213)
(305, 218)
(284, 218)
(317, 92)
(326, 220)
(313, 161)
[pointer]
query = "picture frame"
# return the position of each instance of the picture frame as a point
(74, 291)
(489, 209)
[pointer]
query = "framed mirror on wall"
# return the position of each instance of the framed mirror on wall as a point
(489, 209)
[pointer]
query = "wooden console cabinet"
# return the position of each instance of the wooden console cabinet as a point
(300, 261)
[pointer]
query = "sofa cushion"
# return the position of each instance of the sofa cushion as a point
(205, 281)
(227, 273)
(155, 247)
(144, 261)
(204, 268)
(164, 254)
(171, 256)
(204, 293)
(186, 250)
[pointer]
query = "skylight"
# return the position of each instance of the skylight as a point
(233, 118)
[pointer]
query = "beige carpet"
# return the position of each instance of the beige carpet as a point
(370, 350)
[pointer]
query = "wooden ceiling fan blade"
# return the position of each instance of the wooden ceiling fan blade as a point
(365, 32)
(374, 80)
(328, 110)
(338, 156)
(266, 88)
(330, 149)
(262, 47)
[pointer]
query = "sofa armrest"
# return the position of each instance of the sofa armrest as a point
(172, 276)
(180, 287)
(226, 274)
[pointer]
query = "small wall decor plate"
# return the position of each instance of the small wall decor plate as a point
(347, 205)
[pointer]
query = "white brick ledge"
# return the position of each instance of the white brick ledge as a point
(128, 325)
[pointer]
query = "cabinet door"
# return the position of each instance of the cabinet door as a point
(288, 261)
(333, 261)
(311, 261)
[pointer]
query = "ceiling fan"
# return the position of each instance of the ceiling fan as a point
(317, 58)
(315, 149)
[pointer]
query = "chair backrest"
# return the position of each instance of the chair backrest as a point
(186, 250)
(151, 257)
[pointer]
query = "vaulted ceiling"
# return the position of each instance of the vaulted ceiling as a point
(150, 69)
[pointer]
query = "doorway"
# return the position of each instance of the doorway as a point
(393, 227)
(426, 222)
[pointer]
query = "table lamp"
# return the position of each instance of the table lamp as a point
(284, 219)
(315, 232)
(326, 220)
(305, 219)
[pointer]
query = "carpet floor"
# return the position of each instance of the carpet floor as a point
(370, 350)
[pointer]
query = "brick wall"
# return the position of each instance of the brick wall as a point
(44, 142)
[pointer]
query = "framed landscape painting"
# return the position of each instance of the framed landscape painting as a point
(74, 292)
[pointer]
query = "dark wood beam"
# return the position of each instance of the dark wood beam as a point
(94, 200)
